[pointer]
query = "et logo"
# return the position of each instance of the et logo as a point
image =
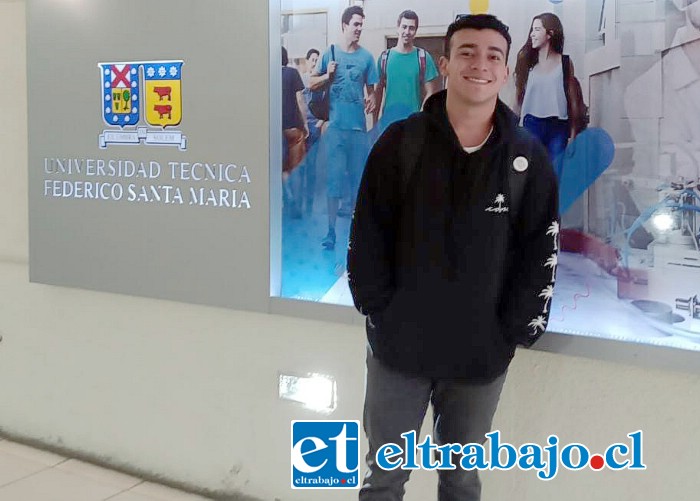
(325, 454)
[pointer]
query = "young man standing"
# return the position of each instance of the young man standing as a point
(451, 252)
(349, 69)
(406, 73)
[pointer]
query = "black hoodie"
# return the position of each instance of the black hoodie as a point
(449, 279)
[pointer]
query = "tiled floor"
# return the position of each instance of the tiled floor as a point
(28, 474)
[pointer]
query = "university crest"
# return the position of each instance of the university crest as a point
(136, 95)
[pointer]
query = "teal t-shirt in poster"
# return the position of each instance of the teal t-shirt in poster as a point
(403, 85)
(354, 71)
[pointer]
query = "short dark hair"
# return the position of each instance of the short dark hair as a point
(311, 52)
(476, 22)
(285, 57)
(407, 14)
(355, 10)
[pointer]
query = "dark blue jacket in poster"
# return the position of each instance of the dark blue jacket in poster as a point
(451, 277)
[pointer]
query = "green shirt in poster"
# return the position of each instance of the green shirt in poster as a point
(403, 85)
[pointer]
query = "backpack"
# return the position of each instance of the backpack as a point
(422, 62)
(414, 136)
(577, 109)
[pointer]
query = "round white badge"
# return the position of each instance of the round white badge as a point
(520, 164)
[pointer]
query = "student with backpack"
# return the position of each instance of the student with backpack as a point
(452, 257)
(348, 70)
(407, 74)
(548, 95)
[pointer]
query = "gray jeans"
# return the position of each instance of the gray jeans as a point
(396, 403)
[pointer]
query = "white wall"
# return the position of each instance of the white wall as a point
(188, 393)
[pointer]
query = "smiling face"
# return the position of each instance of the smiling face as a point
(353, 30)
(538, 34)
(407, 30)
(476, 69)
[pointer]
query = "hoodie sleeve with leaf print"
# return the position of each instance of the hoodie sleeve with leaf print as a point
(529, 285)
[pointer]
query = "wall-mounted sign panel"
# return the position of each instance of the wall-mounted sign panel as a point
(151, 172)
(148, 154)
(620, 121)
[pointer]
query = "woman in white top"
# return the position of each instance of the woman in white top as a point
(542, 86)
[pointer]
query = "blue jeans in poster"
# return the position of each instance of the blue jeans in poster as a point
(346, 155)
(308, 166)
(553, 133)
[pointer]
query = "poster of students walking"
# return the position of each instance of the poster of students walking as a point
(610, 88)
